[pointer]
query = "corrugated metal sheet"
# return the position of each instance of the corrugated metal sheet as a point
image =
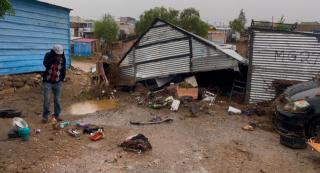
(27, 36)
(160, 34)
(167, 50)
(284, 56)
(204, 58)
(159, 51)
(82, 49)
(127, 72)
(163, 68)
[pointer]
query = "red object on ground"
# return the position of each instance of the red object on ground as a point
(97, 136)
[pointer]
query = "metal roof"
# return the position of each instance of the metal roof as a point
(228, 52)
(85, 40)
(43, 2)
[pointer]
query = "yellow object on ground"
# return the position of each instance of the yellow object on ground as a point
(315, 146)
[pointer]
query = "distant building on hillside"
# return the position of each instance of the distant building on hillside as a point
(80, 27)
(219, 35)
(126, 27)
(308, 27)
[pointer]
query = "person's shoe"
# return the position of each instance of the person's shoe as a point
(45, 120)
(58, 119)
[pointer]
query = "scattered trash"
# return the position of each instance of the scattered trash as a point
(254, 124)
(233, 110)
(185, 100)
(64, 124)
(13, 133)
(9, 113)
(192, 81)
(208, 96)
(89, 130)
(19, 123)
(24, 133)
(314, 144)
(37, 131)
(161, 104)
(175, 105)
(93, 69)
(74, 132)
(193, 92)
(159, 121)
(97, 135)
(82, 125)
(248, 128)
(156, 106)
(250, 112)
(194, 109)
(137, 143)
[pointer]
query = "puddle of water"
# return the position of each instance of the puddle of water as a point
(88, 107)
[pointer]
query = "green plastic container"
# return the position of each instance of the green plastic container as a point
(24, 133)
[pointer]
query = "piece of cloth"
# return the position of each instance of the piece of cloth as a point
(55, 67)
(138, 143)
(56, 90)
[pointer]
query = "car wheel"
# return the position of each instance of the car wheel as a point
(314, 128)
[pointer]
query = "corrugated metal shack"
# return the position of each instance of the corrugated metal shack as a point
(280, 55)
(30, 33)
(84, 47)
(165, 49)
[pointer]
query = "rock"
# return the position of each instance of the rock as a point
(38, 76)
(7, 91)
(7, 83)
(25, 88)
(248, 128)
(32, 82)
(17, 84)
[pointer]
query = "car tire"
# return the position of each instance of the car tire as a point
(314, 128)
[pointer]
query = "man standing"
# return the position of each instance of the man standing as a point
(55, 64)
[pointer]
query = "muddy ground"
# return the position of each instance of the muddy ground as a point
(207, 143)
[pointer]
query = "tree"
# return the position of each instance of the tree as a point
(239, 23)
(5, 8)
(171, 15)
(189, 19)
(236, 25)
(106, 29)
(242, 18)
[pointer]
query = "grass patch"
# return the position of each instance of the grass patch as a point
(81, 58)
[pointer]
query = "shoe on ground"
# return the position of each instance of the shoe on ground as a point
(58, 119)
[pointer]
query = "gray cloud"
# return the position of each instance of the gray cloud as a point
(215, 12)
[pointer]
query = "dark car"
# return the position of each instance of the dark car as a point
(297, 116)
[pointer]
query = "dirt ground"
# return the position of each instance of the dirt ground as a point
(203, 144)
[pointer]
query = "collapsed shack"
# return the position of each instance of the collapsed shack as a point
(279, 59)
(166, 53)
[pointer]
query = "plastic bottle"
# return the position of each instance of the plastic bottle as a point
(64, 124)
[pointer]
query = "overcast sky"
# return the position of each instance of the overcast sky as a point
(212, 11)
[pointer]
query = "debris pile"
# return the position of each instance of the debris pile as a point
(280, 85)
(9, 84)
(137, 143)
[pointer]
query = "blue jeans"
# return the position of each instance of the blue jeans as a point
(56, 90)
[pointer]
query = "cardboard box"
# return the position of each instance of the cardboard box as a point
(193, 92)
